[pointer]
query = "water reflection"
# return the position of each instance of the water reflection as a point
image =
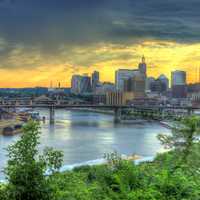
(84, 136)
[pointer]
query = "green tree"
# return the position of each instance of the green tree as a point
(183, 137)
(26, 169)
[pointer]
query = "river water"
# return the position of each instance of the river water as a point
(85, 136)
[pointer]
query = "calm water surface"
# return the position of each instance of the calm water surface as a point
(84, 136)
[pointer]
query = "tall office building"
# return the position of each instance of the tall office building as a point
(178, 84)
(95, 80)
(165, 81)
(135, 84)
(149, 82)
(76, 84)
(178, 78)
(158, 86)
(121, 75)
(105, 87)
(85, 85)
(80, 84)
(119, 98)
(142, 66)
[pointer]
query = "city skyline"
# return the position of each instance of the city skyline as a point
(50, 41)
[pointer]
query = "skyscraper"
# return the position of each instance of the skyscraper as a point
(136, 85)
(80, 84)
(149, 82)
(76, 84)
(85, 85)
(121, 75)
(95, 80)
(142, 66)
(178, 84)
(178, 78)
(165, 81)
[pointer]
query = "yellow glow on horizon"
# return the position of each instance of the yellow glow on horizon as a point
(162, 57)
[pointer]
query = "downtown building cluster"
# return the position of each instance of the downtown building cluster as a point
(131, 85)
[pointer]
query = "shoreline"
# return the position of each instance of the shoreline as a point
(135, 158)
(166, 124)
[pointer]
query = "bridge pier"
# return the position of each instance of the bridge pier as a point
(161, 113)
(117, 115)
(52, 114)
(189, 111)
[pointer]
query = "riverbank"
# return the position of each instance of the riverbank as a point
(136, 159)
(166, 124)
(123, 180)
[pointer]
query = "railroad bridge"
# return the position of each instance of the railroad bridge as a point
(116, 108)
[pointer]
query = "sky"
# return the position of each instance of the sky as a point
(50, 40)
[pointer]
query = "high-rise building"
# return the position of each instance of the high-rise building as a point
(178, 78)
(85, 85)
(178, 84)
(149, 82)
(119, 98)
(95, 80)
(142, 66)
(135, 84)
(158, 86)
(105, 87)
(121, 75)
(80, 84)
(76, 84)
(165, 82)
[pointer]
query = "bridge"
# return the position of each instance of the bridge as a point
(116, 108)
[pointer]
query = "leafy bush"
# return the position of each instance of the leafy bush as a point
(168, 177)
(26, 168)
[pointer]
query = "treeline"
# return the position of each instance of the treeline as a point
(174, 175)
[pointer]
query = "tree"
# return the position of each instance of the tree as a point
(183, 137)
(26, 169)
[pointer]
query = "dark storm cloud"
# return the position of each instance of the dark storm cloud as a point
(51, 22)
(47, 25)
(171, 19)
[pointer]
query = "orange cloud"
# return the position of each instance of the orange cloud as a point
(29, 68)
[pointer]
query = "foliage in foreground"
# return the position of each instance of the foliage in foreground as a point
(174, 175)
(26, 169)
(147, 181)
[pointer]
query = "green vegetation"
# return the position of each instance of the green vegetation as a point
(150, 115)
(26, 168)
(174, 175)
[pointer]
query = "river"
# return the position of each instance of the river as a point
(85, 136)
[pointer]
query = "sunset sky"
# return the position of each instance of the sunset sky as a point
(50, 40)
